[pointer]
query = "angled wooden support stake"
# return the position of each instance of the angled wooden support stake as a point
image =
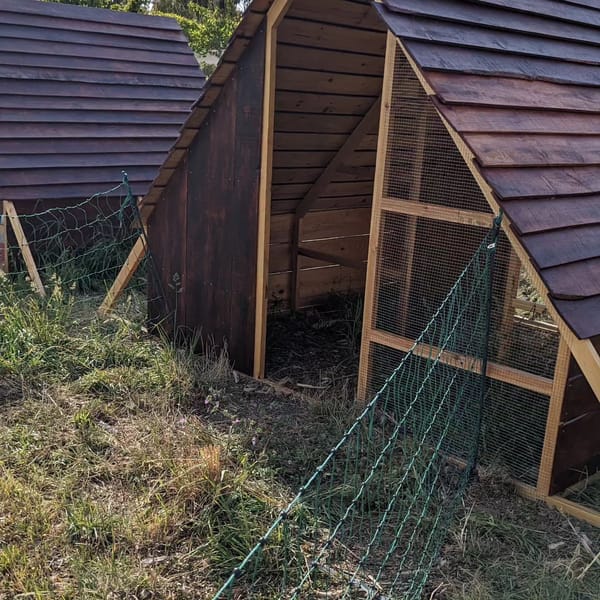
(366, 124)
(124, 277)
(3, 242)
(11, 212)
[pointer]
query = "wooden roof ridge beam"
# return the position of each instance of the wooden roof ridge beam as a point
(584, 352)
(349, 146)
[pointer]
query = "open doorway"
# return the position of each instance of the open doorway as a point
(330, 61)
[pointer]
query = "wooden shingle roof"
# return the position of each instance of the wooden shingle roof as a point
(85, 93)
(519, 80)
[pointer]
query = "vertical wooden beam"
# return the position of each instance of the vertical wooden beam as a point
(511, 289)
(9, 209)
(294, 249)
(374, 236)
(561, 371)
(3, 242)
(274, 17)
(411, 234)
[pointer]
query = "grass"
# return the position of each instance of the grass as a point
(130, 469)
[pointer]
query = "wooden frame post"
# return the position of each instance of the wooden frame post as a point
(273, 19)
(372, 261)
(561, 371)
(10, 210)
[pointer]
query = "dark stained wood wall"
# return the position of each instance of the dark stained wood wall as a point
(578, 444)
(205, 227)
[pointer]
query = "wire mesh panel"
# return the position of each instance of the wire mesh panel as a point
(372, 519)
(73, 251)
(431, 215)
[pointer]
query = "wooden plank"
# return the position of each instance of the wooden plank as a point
(297, 232)
(437, 212)
(543, 181)
(353, 249)
(352, 63)
(374, 232)
(130, 266)
(511, 289)
(562, 246)
(408, 250)
(582, 315)
(328, 82)
(349, 146)
(351, 14)
(557, 10)
(274, 18)
(323, 203)
(583, 350)
(312, 102)
(574, 281)
(583, 513)
(334, 189)
(541, 214)
(315, 123)
(492, 17)
(476, 37)
(334, 223)
(522, 379)
(442, 57)
(34, 276)
(343, 174)
(482, 119)
(93, 16)
(561, 370)
(331, 258)
(317, 284)
(324, 35)
(286, 159)
(306, 141)
(512, 150)
(568, 507)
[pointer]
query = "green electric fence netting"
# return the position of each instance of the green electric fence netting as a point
(371, 520)
(77, 248)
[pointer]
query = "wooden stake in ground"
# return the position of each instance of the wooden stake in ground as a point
(129, 267)
(10, 211)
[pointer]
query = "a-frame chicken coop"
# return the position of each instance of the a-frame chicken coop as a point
(343, 145)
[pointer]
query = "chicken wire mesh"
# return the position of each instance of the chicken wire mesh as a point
(419, 258)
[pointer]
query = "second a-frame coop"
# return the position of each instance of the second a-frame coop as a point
(341, 145)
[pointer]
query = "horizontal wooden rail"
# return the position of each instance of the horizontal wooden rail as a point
(438, 213)
(536, 308)
(332, 258)
(522, 379)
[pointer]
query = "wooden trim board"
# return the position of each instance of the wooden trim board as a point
(522, 379)
(274, 17)
(126, 272)
(372, 261)
(561, 373)
(437, 213)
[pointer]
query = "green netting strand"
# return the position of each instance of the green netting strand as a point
(371, 520)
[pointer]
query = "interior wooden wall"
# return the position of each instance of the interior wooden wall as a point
(329, 73)
(578, 443)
